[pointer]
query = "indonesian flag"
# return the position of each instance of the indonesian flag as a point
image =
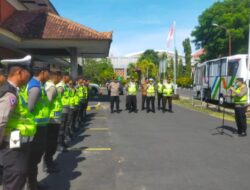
(171, 34)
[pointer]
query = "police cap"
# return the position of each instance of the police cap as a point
(24, 63)
(40, 66)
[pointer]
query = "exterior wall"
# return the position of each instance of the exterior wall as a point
(6, 10)
(120, 64)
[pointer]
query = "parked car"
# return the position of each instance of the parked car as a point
(94, 90)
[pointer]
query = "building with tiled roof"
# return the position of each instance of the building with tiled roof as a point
(35, 27)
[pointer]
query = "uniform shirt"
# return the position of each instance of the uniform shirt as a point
(8, 103)
(144, 89)
(114, 88)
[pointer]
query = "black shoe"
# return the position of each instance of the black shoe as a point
(142, 109)
(136, 111)
(171, 111)
(153, 111)
(242, 134)
(147, 111)
(111, 111)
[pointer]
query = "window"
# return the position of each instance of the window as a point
(223, 67)
(232, 67)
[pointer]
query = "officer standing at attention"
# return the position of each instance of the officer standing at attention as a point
(38, 105)
(159, 93)
(144, 93)
(55, 99)
(151, 96)
(168, 90)
(132, 91)
(62, 146)
(2, 76)
(240, 100)
(114, 87)
(17, 126)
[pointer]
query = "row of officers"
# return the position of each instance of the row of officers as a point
(38, 116)
(164, 91)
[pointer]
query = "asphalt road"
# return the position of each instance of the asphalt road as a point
(146, 151)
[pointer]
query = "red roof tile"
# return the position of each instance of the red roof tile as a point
(41, 24)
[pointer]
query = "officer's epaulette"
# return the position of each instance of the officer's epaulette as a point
(7, 87)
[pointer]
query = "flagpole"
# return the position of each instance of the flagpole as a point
(175, 59)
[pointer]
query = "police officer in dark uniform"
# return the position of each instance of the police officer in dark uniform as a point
(14, 144)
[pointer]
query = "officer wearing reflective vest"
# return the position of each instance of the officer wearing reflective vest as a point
(168, 90)
(38, 105)
(85, 97)
(80, 93)
(55, 98)
(17, 126)
(159, 93)
(63, 86)
(239, 94)
(77, 99)
(131, 93)
(151, 96)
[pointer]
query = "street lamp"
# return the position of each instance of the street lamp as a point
(229, 37)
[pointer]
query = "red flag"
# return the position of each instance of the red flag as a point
(171, 34)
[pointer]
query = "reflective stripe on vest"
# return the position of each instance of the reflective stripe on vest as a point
(41, 110)
(65, 96)
(21, 119)
(167, 89)
(132, 88)
(151, 90)
(55, 104)
(240, 100)
(159, 88)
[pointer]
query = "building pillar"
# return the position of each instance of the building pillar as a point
(73, 64)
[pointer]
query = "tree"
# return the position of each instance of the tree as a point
(170, 69)
(188, 56)
(180, 69)
(147, 68)
(131, 70)
(98, 71)
(150, 55)
(231, 14)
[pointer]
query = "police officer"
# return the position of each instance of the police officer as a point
(168, 90)
(144, 93)
(132, 91)
(159, 93)
(239, 94)
(16, 124)
(70, 121)
(2, 75)
(55, 99)
(114, 87)
(62, 146)
(38, 105)
(151, 96)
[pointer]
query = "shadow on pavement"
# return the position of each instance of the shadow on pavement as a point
(68, 162)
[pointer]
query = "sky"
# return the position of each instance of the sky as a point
(137, 25)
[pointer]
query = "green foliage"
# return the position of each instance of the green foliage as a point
(184, 81)
(131, 70)
(150, 55)
(147, 68)
(98, 71)
(231, 14)
(180, 69)
(188, 56)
